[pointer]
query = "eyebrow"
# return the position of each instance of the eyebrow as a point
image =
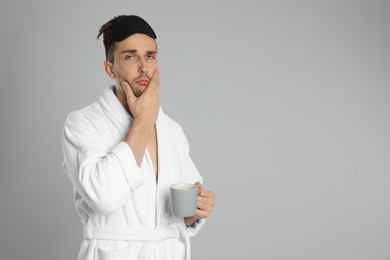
(135, 51)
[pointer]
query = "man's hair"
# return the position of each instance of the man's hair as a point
(109, 45)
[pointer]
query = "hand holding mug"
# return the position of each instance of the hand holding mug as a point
(205, 203)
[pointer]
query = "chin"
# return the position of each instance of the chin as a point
(138, 93)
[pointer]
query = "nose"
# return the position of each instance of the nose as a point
(143, 67)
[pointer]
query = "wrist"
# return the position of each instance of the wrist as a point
(143, 122)
(189, 221)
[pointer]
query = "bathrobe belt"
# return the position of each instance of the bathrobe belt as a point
(151, 237)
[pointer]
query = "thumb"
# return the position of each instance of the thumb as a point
(199, 185)
(128, 91)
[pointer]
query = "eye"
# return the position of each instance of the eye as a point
(151, 57)
(129, 57)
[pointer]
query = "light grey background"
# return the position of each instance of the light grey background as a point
(285, 105)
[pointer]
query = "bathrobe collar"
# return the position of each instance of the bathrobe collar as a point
(114, 108)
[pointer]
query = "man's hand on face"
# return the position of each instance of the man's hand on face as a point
(146, 106)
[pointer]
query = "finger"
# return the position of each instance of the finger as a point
(128, 91)
(203, 200)
(198, 185)
(206, 205)
(206, 194)
(201, 205)
(155, 81)
(201, 214)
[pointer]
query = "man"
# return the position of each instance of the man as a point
(122, 153)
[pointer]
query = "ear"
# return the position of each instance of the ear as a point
(109, 69)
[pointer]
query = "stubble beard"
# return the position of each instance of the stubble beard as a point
(137, 92)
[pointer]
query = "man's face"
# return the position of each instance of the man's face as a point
(135, 60)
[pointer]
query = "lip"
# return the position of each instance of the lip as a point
(144, 82)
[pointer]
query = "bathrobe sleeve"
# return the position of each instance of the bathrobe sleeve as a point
(192, 175)
(104, 178)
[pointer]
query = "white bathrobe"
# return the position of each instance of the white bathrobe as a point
(125, 212)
